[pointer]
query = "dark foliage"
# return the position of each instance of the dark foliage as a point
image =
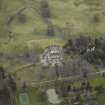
(24, 87)
(50, 29)
(22, 18)
(96, 19)
(45, 9)
(7, 88)
(79, 45)
(69, 46)
(100, 89)
(92, 50)
(86, 86)
(98, 43)
(2, 73)
(12, 83)
(97, 57)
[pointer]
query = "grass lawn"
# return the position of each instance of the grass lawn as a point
(35, 98)
(101, 99)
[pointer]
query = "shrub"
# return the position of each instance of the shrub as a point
(22, 18)
(96, 19)
(45, 9)
(50, 29)
(92, 50)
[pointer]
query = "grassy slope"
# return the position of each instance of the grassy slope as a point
(34, 30)
(64, 11)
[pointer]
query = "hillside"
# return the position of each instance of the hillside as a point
(71, 17)
(27, 27)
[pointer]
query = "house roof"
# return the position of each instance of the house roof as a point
(54, 49)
